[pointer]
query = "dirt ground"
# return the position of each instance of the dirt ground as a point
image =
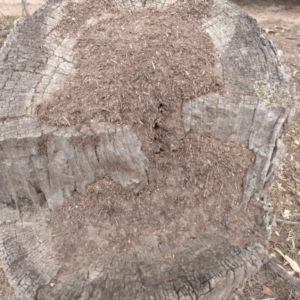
(282, 20)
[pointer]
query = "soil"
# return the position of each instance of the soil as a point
(5, 24)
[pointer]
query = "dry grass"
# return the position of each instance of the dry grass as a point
(6, 22)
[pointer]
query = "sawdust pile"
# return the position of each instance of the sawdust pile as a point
(131, 63)
(138, 67)
(194, 191)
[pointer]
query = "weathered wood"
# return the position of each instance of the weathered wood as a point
(41, 166)
(192, 272)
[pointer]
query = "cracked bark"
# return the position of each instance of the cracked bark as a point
(41, 166)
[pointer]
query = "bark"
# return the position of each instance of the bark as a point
(41, 165)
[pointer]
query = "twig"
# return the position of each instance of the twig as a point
(67, 121)
(287, 222)
(207, 177)
(24, 3)
(283, 273)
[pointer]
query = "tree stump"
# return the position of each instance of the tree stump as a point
(138, 143)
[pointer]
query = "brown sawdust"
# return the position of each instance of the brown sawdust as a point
(138, 67)
(129, 64)
(192, 191)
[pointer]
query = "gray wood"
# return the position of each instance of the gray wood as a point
(41, 165)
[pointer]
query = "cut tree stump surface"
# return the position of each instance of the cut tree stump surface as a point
(137, 145)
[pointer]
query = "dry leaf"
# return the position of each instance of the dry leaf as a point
(292, 273)
(271, 31)
(281, 177)
(267, 291)
(286, 214)
(269, 245)
(291, 262)
(250, 283)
